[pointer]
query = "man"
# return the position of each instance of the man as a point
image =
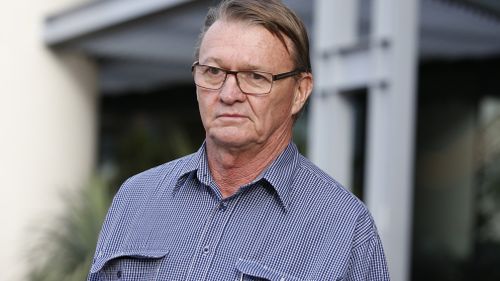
(247, 205)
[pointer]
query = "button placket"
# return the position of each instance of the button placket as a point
(222, 206)
(222, 212)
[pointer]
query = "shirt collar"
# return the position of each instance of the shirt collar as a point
(195, 162)
(196, 166)
(279, 174)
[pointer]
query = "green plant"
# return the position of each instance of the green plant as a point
(65, 249)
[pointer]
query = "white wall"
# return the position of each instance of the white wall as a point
(47, 127)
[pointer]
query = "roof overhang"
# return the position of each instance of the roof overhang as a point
(100, 15)
(148, 43)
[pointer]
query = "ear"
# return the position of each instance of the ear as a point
(302, 92)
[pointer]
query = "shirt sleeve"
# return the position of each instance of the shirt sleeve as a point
(367, 261)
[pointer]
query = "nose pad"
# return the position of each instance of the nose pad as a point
(231, 91)
(232, 80)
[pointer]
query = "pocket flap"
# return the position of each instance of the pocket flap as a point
(102, 258)
(259, 270)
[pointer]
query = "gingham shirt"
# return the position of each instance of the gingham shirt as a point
(294, 222)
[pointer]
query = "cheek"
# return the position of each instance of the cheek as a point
(282, 107)
(203, 107)
(274, 113)
(204, 100)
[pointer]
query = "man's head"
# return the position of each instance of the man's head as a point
(254, 37)
(270, 14)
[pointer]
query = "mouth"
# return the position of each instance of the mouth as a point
(231, 118)
(229, 115)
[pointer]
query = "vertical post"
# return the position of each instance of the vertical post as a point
(331, 119)
(391, 112)
(390, 78)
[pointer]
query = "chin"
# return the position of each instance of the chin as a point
(229, 140)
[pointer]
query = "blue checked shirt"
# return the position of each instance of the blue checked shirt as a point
(294, 222)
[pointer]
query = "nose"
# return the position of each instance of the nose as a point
(230, 91)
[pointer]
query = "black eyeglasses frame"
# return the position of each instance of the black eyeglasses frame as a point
(275, 77)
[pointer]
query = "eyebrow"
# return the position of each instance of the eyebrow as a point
(247, 66)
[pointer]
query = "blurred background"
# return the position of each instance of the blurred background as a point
(405, 112)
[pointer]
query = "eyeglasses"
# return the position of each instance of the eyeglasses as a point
(249, 82)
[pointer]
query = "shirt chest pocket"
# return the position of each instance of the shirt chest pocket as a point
(128, 266)
(255, 271)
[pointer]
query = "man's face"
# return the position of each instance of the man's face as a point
(236, 120)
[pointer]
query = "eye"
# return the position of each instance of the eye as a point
(257, 76)
(213, 70)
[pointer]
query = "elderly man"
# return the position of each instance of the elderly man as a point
(247, 205)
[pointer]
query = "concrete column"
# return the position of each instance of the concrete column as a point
(385, 64)
(331, 118)
(391, 128)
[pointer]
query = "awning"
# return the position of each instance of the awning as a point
(148, 43)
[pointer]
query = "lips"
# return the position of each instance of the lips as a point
(231, 115)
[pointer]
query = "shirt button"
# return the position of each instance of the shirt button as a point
(206, 249)
(222, 207)
(119, 274)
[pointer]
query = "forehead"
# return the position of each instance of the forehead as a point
(236, 44)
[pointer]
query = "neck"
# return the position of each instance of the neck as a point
(232, 168)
